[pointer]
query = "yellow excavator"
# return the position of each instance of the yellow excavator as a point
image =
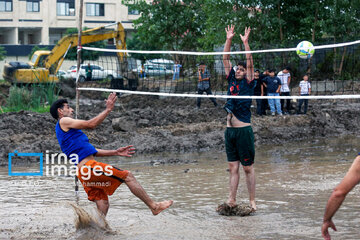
(44, 65)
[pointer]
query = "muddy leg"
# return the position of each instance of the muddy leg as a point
(233, 182)
(103, 206)
(250, 182)
(138, 191)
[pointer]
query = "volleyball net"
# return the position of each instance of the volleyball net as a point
(334, 71)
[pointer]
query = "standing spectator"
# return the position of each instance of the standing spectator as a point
(88, 70)
(176, 69)
(285, 78)
(305, 90)
(265, 103)
(273, 84)
(204, 84)
(258, 91)
(142, 73)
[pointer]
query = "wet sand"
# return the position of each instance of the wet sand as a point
(294, 182)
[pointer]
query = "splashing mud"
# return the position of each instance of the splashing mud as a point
(84, 219)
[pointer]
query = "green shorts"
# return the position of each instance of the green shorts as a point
(239, 145)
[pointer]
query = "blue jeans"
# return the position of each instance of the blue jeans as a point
(274, 103)
(301, 102)
(176, 75)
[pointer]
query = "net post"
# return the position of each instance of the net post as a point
(77, 79)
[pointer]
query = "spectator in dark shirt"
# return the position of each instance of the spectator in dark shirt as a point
(264, 102)
(273, 84)
(258, 91)
(88, 72)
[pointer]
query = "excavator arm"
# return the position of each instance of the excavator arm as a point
(57, 55)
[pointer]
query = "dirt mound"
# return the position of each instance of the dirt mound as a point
(238, 210)
(156, 125)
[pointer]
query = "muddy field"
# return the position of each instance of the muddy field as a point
(165, 125)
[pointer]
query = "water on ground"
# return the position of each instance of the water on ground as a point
(293, 183)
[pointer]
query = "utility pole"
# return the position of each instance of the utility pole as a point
(77, 77)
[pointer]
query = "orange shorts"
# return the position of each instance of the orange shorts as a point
(100, 180)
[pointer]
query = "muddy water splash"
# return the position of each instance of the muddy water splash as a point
(94, 219)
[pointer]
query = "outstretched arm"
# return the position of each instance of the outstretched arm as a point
(351, 179)
(67, 122)
(249, 59)
(127, 151)
(226, 57)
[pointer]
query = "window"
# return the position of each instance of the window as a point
(133, 11)
(95, 67)
(33, 59)
(95, 9)
(65, 7)
(32, 6)
(5, 5)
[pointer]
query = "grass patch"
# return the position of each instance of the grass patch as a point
(4, 83)
(42, 109)
(33, 97)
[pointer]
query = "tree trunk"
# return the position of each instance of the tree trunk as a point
(281, 34)
(342, 61)
(280, 26)
(315, 22)
(313, 35)
(334, 59)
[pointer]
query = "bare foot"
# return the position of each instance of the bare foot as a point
(231, 203)
(253, 206)
(160, 206)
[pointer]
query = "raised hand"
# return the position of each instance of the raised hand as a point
(127, 151)
(245, 38)
(110, 102)
(230, 31)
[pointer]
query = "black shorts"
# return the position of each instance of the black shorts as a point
(239, 145)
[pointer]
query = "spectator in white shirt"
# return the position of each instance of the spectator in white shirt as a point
(285, 78)
(305, 90)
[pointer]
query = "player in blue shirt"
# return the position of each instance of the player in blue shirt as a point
(98, 179)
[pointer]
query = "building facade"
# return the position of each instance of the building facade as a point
(44, 22)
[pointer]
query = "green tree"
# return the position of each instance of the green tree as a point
(342, 24)
(2, 53)
(169, 24)
(199, 26)
(85, 55)
(135, 43)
